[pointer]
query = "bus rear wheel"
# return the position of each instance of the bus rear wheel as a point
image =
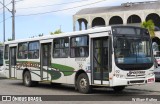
(83, 84)
(27, 81)
(118, 88)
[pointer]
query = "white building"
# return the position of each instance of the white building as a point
(127, 14)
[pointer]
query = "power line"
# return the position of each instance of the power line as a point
(5, 19)
(5, 6)
(42, 6)
(19, 0)
(61, 9)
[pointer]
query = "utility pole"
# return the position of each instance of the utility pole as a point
(4, 32)
(13, 19)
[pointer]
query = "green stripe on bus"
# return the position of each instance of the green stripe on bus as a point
(35, 73)
(66, 70)
(54, 74)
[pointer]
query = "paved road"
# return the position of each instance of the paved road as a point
(15, 87)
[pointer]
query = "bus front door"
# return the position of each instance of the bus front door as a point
(45, 60)
(100, 57)
(12, 63)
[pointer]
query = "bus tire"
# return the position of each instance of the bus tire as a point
(27, 81)
(83, 84)
(118, 88)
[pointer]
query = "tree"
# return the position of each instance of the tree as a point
(9, 39)
(58, 31)
(1, 43)
(40, 34)
(150, 26)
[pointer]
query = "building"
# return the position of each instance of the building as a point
(131, 13)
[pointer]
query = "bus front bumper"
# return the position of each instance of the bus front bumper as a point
(136, 81)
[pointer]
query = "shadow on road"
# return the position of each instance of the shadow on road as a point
(99, 91)
(2, 78)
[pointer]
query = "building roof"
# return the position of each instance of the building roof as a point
(123, 7)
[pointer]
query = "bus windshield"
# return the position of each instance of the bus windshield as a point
(132, 51)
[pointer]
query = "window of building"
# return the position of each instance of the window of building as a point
(6, 52)
(22, 50)
(61, 47)
(79, 46)
(33, 50)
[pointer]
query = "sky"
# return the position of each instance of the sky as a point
(27, 25)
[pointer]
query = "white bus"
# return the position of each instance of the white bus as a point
(1, 55)
(113, 56)
(1, 62)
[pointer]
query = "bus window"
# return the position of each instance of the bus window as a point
(1, 57)
(6, 52)
(79, 46)
(22, 50)
(61, 47)
(33, 50)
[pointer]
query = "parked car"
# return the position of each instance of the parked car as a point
(157, 73)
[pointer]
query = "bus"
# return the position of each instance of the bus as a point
(1, 62)
(1, 55)
(112, 56)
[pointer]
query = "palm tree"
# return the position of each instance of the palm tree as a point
(150, 26)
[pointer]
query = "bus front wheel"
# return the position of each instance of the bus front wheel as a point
(83, 84)
(27, 81)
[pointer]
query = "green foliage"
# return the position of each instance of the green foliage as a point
(58, 31)
(1, 43)
(9, 39)
(150, 26)
(40, 35)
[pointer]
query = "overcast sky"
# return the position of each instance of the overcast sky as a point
(33, 25)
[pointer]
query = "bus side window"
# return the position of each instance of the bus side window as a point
(1, 56)
(79, 46)
(61, 47)
(22, 50)
(33, 52)
(6, 52)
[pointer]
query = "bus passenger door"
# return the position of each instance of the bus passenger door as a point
(12, 63)
(100, 60)
(45, 60)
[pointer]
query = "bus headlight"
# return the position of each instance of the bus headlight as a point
(151, 74)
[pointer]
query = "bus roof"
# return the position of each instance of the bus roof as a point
(89, 31)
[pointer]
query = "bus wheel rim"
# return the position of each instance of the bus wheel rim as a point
(83, 83)
(27, 79)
